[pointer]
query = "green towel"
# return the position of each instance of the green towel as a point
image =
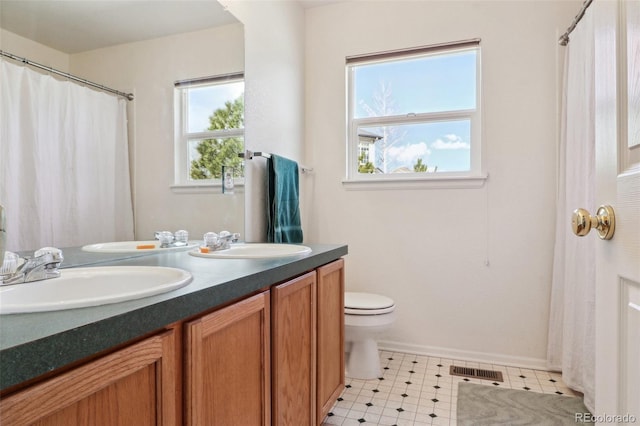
(283, 210)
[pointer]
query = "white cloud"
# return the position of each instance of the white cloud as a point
(450, 142)
(409, 153)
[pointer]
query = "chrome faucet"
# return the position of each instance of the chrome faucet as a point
(221, 241)
(42, 266)
(167, 239)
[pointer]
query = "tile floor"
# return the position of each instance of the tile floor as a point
(417, 390)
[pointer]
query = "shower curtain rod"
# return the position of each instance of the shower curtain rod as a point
(564, 39)
(128, 96)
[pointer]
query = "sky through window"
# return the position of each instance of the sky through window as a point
(434, 83)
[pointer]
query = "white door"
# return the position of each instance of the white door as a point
(617, 103)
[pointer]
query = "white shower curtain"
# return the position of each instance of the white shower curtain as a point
(571, 324)
(64, 167)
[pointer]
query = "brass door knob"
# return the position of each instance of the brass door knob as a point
(604, 222)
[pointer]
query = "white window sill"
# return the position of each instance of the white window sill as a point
(204, 188)
(432, 182)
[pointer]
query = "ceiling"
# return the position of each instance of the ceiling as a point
(102, 23)
(59, 24)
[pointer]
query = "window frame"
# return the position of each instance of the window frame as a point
(474, 177)
(182, 136)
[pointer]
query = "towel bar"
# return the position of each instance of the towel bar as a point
(248, 155)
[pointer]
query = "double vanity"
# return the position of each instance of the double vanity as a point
(249, 340)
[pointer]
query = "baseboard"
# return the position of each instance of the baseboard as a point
(482, 357)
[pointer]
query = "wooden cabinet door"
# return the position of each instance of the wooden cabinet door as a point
(227, 374)
(330, 336)
(133, 386)
(293, 345)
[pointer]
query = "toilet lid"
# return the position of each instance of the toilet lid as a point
(367, 304)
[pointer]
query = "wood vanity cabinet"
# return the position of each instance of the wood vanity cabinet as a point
(273, 358)
(227, 365)
(330, 337)
(293, 348)
(133, 386)
(307, 344)
(300, 324)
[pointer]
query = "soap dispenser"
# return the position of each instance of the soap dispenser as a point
(227, 180)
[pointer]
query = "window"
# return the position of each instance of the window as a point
(209, 129)
(414, 114)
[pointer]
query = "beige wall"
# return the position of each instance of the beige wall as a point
(149, 69)
(274, 96)
(23, 47)
(469, 269)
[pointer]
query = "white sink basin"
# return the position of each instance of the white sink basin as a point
(255, 251)
(82, 287)
(134, 247)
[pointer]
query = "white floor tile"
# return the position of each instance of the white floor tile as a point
(417, 390)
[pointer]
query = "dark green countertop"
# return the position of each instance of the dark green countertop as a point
(38, 343)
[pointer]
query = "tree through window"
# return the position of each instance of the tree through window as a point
(210, 128)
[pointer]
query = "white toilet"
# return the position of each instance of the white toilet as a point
(365, 316)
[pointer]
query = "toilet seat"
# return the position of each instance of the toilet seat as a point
(367, 304)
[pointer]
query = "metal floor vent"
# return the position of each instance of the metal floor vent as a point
(476, 373)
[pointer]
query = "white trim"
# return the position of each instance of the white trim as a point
(473, 178)
(207, 187)
(182, 136)
(483, 357)
(398, 181)
(415, 118)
